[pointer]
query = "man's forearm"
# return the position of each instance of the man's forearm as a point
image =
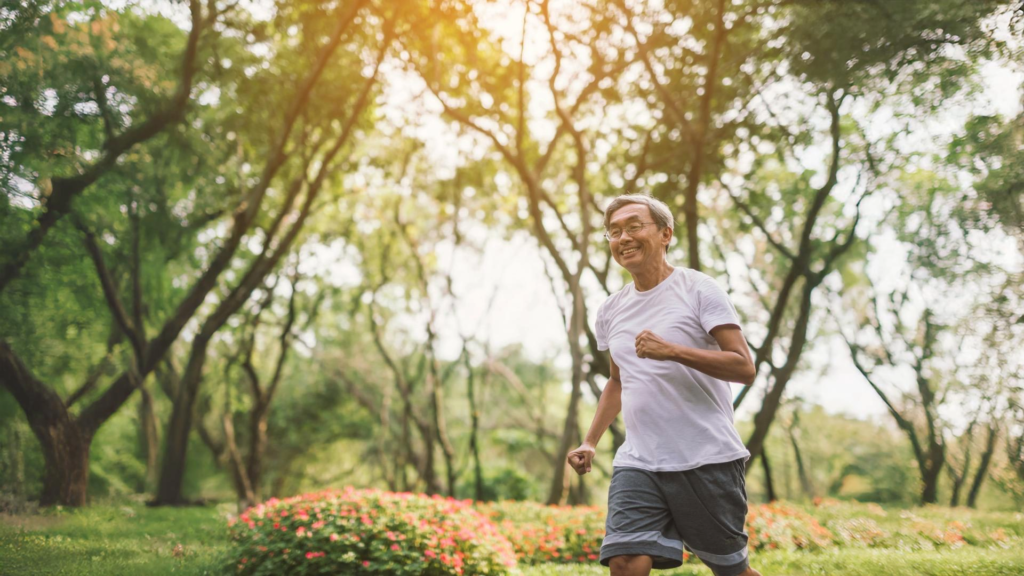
(728, 366)
(608, 408)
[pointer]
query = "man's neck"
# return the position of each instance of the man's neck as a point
(647, 279)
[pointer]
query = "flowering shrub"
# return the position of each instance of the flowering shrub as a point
(781, 526)
(861, 532)
(368, 532)
(549, 533)
(927, 528)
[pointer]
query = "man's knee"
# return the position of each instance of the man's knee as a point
(630, 565)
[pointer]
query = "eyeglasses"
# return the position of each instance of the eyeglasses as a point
(633, 229)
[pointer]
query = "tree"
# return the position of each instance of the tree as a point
(315, 150)
(65, 437)
(95, 66)
(909, 321)
(822, 45)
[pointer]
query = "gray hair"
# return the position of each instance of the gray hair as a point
(659, 210)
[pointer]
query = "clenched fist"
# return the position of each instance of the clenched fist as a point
(650, 345)
(581, 458)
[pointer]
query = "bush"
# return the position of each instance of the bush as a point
(549, 533)
(784, 527)
(368, 532)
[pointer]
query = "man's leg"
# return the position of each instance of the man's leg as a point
(635, 565)
(709, 506)
(639, 532)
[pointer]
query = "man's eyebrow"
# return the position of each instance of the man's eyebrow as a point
(626, 221)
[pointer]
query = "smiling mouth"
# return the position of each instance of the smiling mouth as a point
(629, 251)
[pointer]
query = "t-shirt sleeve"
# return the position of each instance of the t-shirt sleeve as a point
(715, 309)
(601, 329)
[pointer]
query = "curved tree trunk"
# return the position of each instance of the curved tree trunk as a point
(805, 479)
(64, 441)
(982, 472)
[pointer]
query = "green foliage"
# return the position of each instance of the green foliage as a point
(368, 532)
(503, 483)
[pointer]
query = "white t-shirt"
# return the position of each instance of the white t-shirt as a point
(677, 418)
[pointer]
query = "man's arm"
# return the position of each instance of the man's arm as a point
(732, 364)
(608, 408)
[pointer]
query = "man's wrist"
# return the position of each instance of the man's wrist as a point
(679, 353)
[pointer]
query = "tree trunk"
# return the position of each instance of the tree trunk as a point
(65, 443)
(982, 472)
(17, 462)
(474, 433)
(769, 485)
(243, 486)
(560, 464)
(150, 439)
(440, 423)
(172, 472)
(66, 452)
(257, 450)
(782, 375)
(930, 473)
(958, 483)
(805, 480)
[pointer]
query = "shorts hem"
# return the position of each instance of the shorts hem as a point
(662, 557)
(734, 570)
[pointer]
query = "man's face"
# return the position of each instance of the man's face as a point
(645, 249)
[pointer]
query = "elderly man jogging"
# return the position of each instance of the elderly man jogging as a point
(675, 345)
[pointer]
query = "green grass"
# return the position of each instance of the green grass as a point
(132, 539)
(848, 562)
(114, 540)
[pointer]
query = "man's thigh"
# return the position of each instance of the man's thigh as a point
(639, 521)
(709, 510)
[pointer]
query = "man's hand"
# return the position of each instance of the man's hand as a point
(581, 458)
(650, 345)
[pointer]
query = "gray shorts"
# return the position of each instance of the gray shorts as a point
(657, 513)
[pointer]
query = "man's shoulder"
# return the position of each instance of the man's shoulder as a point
(694, 278)
(614, 300)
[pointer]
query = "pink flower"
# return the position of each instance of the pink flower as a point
(396, 547)
(334, 537)
(430, 554)
(366, 563)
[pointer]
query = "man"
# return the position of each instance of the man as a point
(675, 345)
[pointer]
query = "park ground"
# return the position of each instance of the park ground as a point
(129, 538)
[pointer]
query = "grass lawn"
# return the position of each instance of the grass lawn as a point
(131, 539)
(114, 540)
(851, 562)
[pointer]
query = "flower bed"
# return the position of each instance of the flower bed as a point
(549, 533)
(373, 532)
(784, 527)
(368, 532)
